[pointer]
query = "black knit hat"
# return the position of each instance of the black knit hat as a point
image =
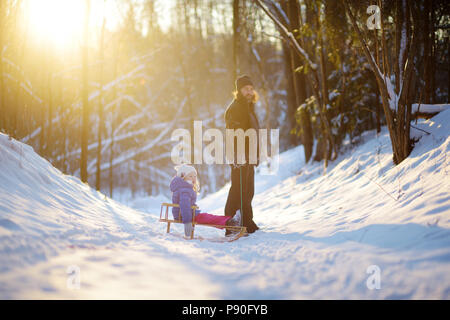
(242, 81)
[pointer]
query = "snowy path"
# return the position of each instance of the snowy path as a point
(319, 233)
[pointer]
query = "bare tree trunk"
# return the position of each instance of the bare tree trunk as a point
(3, 111)
(113, 119)
(377, 106)
(307, 138)
(100, 109)
(85, 88)
(198, 20)
(187, 20)
(313, 76)
(24, 112)
(49, 140)
(65, 115)
(3, 119)
(291, 94)
(432, 54)
(42, 114)
(324, 86)
(236, 37)
(209, 21)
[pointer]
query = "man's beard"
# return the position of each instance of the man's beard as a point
(250, 98)
(246, 98)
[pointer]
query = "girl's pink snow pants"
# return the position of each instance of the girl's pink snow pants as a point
(206, 218)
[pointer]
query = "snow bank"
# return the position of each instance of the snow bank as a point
(429, 108)
(43, 211)
(321, 235)
(52, 224)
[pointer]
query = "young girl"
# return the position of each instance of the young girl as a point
(184, 187)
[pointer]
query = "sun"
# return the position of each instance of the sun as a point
(60, 23)
(57, 22)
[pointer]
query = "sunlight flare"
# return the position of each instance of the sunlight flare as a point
(57, 22)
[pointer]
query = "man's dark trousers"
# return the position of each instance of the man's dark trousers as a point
(247, 173)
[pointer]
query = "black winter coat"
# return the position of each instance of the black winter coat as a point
(240, 114)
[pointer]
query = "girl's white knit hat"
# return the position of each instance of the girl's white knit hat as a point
(184, 169)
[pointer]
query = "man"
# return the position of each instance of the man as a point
(240, 114)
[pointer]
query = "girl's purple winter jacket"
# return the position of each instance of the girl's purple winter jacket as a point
(184, 195)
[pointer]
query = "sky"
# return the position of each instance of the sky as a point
(60, 22)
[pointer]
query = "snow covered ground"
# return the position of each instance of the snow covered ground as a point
(329, 236)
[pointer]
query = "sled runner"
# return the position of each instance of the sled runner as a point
(164, 217)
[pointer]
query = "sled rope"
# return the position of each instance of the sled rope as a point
(240, 182)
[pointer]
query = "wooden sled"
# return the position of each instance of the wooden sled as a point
(237, 230)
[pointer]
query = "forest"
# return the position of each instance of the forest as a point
(98, 86)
